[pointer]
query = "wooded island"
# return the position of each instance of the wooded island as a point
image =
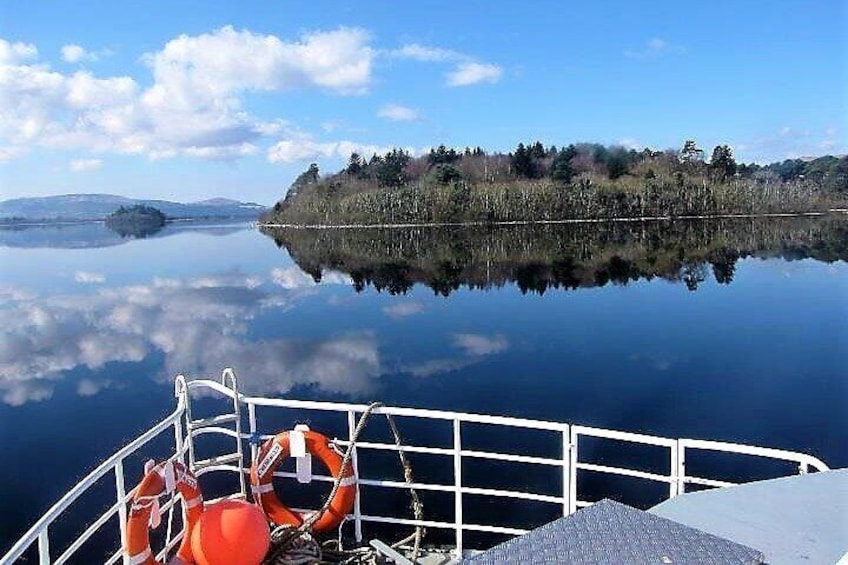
(538, 183)
(136, 221)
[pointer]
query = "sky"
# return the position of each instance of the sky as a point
(192, 100)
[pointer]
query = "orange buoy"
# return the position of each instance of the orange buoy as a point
(158, 480)
(230, 532)
(272, 454)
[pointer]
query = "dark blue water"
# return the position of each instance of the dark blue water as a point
(92, 337)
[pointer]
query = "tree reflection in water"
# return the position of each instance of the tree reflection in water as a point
(541, 257)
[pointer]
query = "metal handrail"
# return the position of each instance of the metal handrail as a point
(38, 532)
(570, 462)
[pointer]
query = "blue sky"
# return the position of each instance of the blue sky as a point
(189, 100)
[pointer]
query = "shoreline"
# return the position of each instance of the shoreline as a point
(843, 211)
(181, 221)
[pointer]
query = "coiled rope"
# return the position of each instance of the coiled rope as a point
(296, 546)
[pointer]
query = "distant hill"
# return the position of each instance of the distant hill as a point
(98, 206)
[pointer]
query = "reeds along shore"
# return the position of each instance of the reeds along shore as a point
(579, 182)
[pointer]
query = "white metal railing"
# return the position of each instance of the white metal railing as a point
(40, 532)
(569, 436)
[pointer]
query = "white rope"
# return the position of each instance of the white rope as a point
(310, 521)
(294, 546)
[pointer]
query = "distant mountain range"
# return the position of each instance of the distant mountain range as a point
(79, 207)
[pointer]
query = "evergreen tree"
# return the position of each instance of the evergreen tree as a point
(304, 179)
(443, 155)
(354, 164)
(691, 153)
(446, 174)
(537, 150)
(390, 171)
(522, 162)
(722, 164)
(561, 169)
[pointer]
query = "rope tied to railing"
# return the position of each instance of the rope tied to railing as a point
(295, 546)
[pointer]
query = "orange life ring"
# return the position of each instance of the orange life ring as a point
(271, 455)
(153, 485)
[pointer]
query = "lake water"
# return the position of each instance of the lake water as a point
(734, 331)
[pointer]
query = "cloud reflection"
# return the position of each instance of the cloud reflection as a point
(475, 347)
(403, 309)
(199, 325)
(85, 277)
(294, 278)
(478, 345)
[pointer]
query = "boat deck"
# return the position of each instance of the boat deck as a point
(610, 532)
(800, 519)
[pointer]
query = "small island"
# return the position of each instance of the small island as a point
(535, 183)
(136, 221)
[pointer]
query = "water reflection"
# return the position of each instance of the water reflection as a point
(198, 325)
(90, 235)
(135, 231)
(473, 348)
(553, 256)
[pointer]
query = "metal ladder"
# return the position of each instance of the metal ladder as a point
(216, 424)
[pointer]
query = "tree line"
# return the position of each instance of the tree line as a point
(538, 182)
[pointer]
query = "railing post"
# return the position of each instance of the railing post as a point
(239, 444)
(178, 440)
(44, 547)
(803, 468)
(188, 438)
(674, 485)
(566, 471)
(572, 487)
(251, 421)
(357, 503)
(121, 493)
(457, 475)
(680, 473)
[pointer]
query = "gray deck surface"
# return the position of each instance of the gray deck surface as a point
(609, 532)
(801, 519)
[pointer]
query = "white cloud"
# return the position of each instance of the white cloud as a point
(9, 153)
(788, 142)
(403, 309)
(72, 53)
(467, 70)
(89, 278)
(478, 345)
(467, 74)
(656, 44)
(398, 113)
(193, 107)
(426, 54)
(82, 165)
(293, 150)
(14, 53)
(652, 48)
(630, 143)
(77, 54)
(228, 61)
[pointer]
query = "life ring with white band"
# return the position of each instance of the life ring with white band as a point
(166, 477)
(272, 454)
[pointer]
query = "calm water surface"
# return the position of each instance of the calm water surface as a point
(728, 342)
